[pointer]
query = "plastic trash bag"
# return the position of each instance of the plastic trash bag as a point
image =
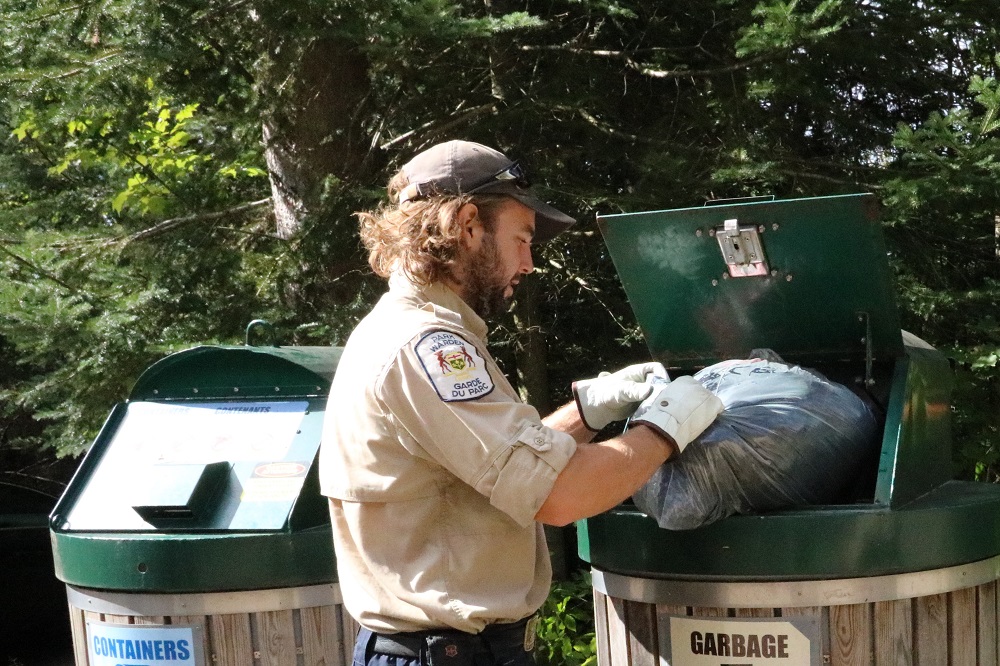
(786, 437)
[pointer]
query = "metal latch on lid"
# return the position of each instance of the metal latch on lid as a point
(741, 249)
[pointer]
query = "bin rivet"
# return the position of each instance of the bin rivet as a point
(864, 340)
(774, 272)
(156, 392)
(715, 283)
(664, 403)
(277, 388)
(236, 389)
(194, 390)
(725, 276)
(760, 228)
(256, 654)
(788, 278)
(299, 650)
(142, 568)
(774, 226)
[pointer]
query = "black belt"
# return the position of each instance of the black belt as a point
(410, 644)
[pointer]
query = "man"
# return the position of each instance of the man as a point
(439, 477)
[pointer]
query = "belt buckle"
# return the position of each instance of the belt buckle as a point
(530, 631)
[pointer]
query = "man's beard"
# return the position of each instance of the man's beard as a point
(484, 284)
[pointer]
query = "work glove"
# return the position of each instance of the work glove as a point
(613, 396)
(680, 410)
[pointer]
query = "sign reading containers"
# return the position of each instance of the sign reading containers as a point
(143, 645)
(696, 641)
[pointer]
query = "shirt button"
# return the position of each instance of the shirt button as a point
(540, 444)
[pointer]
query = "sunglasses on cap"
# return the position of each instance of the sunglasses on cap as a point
(514, 173)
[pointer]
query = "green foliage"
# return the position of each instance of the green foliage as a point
(943, 203)
(566, 635)
(85, 305)
(784, 25)
(133, 212)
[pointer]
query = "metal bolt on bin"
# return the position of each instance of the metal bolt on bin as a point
(194, 530)
(905, 571)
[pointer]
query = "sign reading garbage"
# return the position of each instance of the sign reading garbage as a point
(749, 642)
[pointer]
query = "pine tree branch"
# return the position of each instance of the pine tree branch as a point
(221, 10)
(44, 273)
(85, 67)
(646, 69)
(604, 128)
(439, 127)
(62, 10)
(828, 179)
(168, 225)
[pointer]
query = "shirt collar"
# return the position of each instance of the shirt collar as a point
(441, 296)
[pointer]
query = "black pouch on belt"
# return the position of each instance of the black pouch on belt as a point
(453, 649)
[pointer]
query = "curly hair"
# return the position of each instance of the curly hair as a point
(420, 237)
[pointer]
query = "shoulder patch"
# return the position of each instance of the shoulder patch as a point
(454, 366)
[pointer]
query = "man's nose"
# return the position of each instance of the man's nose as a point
(527, 265)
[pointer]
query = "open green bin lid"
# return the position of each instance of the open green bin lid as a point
(809, 279)
(206, 478)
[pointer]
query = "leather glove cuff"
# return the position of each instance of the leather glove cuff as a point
(681, 410)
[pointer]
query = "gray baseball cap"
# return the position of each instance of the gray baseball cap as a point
(464, 167)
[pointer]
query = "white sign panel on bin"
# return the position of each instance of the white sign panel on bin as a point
(143, 645)
(743, 642)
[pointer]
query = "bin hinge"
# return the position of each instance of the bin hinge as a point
(741, 249)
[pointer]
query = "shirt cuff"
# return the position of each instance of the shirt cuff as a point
(538, 455)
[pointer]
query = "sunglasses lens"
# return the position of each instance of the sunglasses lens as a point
(512, 173)
(516, 173)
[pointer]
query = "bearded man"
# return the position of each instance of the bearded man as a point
(439, 477)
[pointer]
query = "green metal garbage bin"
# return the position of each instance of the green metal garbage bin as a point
(193, 531)
(32, 601)
(903, 570)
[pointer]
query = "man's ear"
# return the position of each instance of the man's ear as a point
(471, 225)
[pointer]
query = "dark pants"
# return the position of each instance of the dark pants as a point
(496, 646)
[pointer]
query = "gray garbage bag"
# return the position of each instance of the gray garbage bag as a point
(786, 437)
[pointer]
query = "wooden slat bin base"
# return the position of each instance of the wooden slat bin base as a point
(958, 627)
(285, 627)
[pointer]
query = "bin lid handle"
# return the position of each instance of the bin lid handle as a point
(267, 331)
(736, 200)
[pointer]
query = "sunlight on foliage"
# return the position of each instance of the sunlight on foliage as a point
(566, 635)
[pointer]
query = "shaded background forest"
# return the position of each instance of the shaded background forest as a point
(172, 169)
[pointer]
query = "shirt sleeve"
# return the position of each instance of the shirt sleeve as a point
(446, 403)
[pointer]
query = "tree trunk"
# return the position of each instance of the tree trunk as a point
(531, 351)
(318, 134)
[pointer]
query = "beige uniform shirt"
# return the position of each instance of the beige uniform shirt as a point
(435, 470)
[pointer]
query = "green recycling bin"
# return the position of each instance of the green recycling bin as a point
(32, 601)
(902, 572)
(193, 531)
